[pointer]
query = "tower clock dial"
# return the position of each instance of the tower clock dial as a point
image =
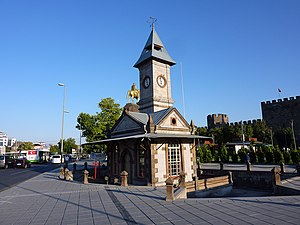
(146, 82)
(161, 81)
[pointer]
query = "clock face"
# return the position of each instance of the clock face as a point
(161, 81)
(146, 82)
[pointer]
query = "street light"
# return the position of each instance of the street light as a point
(62, 122)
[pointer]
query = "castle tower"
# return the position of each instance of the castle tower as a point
(155, 84)
(218, 120)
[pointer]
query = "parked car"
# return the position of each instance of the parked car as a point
(6, 161)
(22, 162)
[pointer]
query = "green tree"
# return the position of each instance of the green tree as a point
(286, 156)
(202, 131)
(283, 137)
(224, 154)
(260, 155)
(26, 146)
(242, 154)
(235, 157)
(207, 156)
(54, 149)
(199, 153)
(269, 155)
(97, 127)
(69, 144)
(252, 155)
(278, 156)
(295, 156)
(261, 131)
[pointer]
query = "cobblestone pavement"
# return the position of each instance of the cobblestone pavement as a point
(46, 200)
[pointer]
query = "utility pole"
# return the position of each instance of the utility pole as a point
(292, 124)
(243, 137)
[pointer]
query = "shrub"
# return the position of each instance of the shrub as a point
(260, 156)
(235, 157)
(286, 156)
(224, 154)
(278, 156)
(295, 156)
(242, 154)
(269, 155)
(207, 156)
(252, 156)
(199, 154)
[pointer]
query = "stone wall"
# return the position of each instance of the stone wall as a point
(279, 114)
(217, 120)
(263, 180)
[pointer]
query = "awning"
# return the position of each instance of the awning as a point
(149, 136)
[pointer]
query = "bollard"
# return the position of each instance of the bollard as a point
(196, 183)
(282, 168)
(124, 176)
(276, 175)
(106, 178)
(182, 179)
(85, 177)
(298, 168)
(74, 168)
(170, 189)
(68, 175)
(221, 166)
(230, 177)
(61, 173)
(248, 166)
(116, 180)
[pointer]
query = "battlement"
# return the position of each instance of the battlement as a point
(246, 122)
(218, 116)
(281, 100)
(217, 120)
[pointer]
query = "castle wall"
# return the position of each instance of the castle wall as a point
(279, 114)
(217, 120)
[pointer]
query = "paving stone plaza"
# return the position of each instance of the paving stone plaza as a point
(45, 199)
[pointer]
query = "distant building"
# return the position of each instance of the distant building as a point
(281, 112)
(3, 142)
(217, 120)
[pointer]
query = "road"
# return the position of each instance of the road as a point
(11, 177)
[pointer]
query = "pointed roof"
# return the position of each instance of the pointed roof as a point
(154, 48)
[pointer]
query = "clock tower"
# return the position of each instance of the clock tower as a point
(155, 84)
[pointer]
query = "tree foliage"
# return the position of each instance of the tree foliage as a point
(224, 154)
(54, 149)
(96, 127)
(295, 156)
(26, 146)
(69, 144)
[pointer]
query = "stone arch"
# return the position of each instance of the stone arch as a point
(127, 164)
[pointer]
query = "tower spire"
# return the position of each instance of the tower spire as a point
(152, 21)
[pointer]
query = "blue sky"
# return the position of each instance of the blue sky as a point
(234, 55)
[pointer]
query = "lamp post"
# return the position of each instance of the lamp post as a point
(62, 122)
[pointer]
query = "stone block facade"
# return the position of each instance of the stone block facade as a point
(281, 112)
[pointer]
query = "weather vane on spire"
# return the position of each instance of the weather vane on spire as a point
(152, 21)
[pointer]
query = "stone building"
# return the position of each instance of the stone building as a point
(152, 140)
(281, 112)
(217, 120)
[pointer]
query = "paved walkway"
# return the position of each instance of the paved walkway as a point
(47, 200)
